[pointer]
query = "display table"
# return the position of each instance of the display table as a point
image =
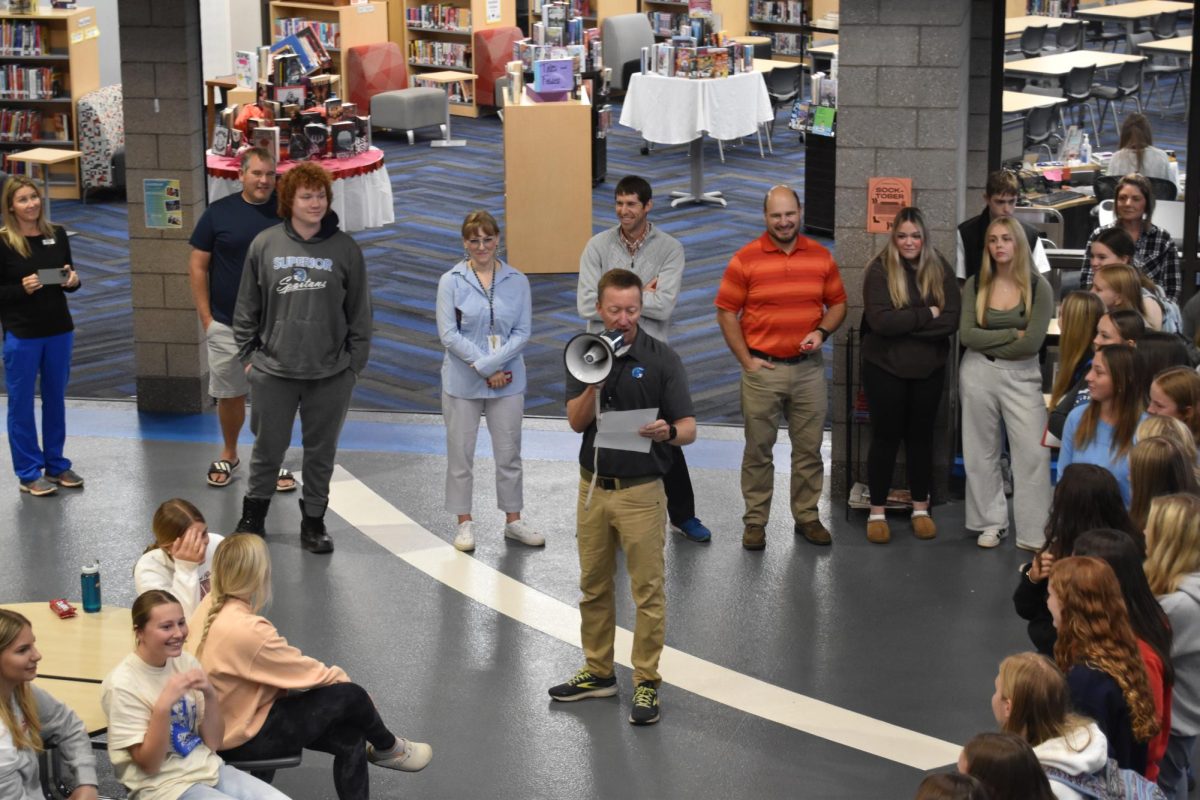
(84, 648)
(679, 111)
(362, 191)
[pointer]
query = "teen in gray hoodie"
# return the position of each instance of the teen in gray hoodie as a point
(303, 327)
(1173, 571)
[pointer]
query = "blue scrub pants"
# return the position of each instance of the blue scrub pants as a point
(24, 361)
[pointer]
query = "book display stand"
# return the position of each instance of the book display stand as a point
(437, 37)
(48, 60)
(342, 27)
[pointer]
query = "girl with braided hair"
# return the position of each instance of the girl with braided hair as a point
(275, 698)
(1098, 651)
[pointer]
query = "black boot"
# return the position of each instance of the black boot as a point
(313, 537)
(254, 516)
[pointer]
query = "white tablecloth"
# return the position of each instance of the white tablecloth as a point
(361, 201)
(678, 110)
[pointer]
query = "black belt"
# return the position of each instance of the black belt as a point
(776, 359)
(616, 484)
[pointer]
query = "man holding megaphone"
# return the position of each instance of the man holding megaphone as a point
(621, 500)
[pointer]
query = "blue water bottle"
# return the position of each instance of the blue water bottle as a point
(89, 579)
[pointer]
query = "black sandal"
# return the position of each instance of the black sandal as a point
(281, 484)
(224, 469)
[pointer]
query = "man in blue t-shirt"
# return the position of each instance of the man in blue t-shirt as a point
(219, 245)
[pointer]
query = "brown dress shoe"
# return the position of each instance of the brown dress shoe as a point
(923, 526)
(878, 531)
(814, 531)
(754, 537)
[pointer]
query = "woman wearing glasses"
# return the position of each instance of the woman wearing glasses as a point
(483, 320)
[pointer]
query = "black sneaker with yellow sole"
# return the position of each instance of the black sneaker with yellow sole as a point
(645, 704)
(583, 686)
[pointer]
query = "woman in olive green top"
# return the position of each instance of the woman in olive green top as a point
(1006, 309)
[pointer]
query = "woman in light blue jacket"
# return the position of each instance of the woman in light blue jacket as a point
(483, 318)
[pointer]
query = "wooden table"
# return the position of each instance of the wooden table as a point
(1130, 13)
(765, 65)
(444, 79)
(84, 648)
(1020, 102)
(1177, 46)
(82, 697)
(750, 41)
(46, 157)
(1015, 26)
(1059, 64)
(224, 83)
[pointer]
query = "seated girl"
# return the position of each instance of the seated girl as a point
(277, 699)
(164, 721)
(1125, 326)
(1120, 286)
(32, 719)
(1078, 317)
(180, 560)
(1175, 392)
(1157, 467)
(1007, 766)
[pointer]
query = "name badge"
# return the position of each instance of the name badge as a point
(47, 242)
(493, 343)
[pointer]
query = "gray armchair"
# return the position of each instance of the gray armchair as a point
(623, 38)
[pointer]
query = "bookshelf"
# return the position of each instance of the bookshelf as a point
(436, 35)
(69, 44)
(791, 24)
(598, 10)
(364, 23)
(732, 13)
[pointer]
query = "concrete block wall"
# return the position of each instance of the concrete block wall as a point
(904, 90)
(163, 99)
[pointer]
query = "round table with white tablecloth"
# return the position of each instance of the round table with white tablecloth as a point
(362, 191)
(682, 110)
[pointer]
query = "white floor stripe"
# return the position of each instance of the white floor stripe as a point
(355, 502)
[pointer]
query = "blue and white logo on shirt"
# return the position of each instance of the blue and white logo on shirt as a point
(183, 728)
(638, 372)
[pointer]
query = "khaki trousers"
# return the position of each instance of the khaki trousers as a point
(799, 394)
(634, 521)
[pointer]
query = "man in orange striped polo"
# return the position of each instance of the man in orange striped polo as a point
(780, 299)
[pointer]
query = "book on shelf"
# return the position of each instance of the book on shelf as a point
(18, 38)
(245, 68)
(441, 54)
(264, 64)
(318, 139)
(333, 110)
(267, 137)
(21, 125)
(289, 95)
(321, 88)
(786, 12)
(285, 131)
(297, 144)
(220, 141)
(823, 118)
(440, 16)
(342, 134)
(362, 133)
(289, 110)
(554, 75)
(19, 82)
(64, 5)
(554, 15)
(349, 110)
(699, 8)
(314, 47)
(458, 92)
(287, 68)
(328, 33)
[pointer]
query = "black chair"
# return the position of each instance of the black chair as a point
(763, 50)
(1097, 33)
(1077, 89)
(1068, 37)
(1106, 187)
(783, 87)
(1129, 84)
(1033, 39)
(1164, 25)
(264, 768)
(1163, 189)
(1158, 66)
(1040, 130)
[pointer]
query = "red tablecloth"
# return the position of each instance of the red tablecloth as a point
(338, 168)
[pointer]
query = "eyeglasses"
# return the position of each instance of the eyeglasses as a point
(487, 241)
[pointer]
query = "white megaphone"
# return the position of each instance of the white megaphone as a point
(590, 356)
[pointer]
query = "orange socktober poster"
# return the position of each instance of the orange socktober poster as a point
(885, 197)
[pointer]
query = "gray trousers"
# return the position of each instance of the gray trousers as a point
(1008, 393)
(461, 416)
(323, 404)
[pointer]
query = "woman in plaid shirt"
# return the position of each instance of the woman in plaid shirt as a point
(1155, 254)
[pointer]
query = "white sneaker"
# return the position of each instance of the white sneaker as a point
(991, 537)
(520, 531)
(464, 540)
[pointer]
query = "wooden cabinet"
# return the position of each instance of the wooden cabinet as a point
(358, 24)
(548, 184)
(69, 50)
(437, 36)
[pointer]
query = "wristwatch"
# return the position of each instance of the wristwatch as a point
(673, 433)
(824, 334)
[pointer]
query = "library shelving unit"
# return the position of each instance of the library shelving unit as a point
(791, 24)
(70, 49)
(731, 12)
(601, 9)
(363, 23)
(436, 36)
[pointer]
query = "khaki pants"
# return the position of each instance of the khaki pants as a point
(799, 394)
(633, 520)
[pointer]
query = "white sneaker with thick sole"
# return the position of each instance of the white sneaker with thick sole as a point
(519, 531)
(991, 537)
(464, 540)
(413, 757)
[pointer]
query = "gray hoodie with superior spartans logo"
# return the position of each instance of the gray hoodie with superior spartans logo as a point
(1183, 610)
(304, 305)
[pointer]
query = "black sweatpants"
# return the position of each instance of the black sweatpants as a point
(677, 483)
(902, 410)
(337, 719)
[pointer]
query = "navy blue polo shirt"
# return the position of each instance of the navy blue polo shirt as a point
(226, 229)
(650, 375)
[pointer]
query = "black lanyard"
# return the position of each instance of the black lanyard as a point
(489, 293)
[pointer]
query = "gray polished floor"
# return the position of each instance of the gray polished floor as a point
(909, 634)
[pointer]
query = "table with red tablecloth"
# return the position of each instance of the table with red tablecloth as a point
(362, 191)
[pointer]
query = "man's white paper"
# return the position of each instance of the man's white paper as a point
(618, 430)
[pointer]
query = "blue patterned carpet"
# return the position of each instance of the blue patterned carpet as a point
(434, 189)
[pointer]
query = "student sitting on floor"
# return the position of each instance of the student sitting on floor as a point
(1007, 766)
(951, 786)
(1125, 326)
(32, 719)
(180, 559)
(277, 699)
(1078, 317)
(1175, 392)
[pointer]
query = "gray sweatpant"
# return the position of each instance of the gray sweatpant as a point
(323, 404)
(1008, 392)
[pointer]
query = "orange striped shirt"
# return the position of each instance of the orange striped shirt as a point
(781, 296)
